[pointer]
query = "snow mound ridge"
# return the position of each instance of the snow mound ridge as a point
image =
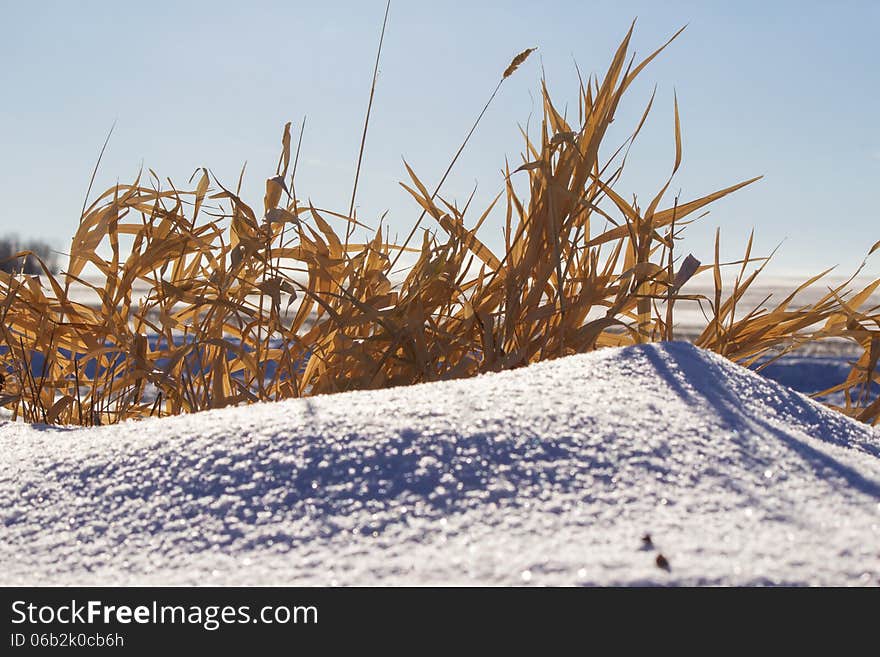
(549, 474)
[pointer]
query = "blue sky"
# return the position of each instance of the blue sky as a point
(785, 89)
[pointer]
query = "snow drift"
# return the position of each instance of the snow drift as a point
(550, 474)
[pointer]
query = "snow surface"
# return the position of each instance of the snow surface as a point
(549, 474)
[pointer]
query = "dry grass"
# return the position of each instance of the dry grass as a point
(244, 305)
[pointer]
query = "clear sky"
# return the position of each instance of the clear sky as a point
(785, 89)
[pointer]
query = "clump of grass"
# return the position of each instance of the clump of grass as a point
(218, 303)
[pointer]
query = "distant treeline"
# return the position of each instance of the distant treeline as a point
(11, 245)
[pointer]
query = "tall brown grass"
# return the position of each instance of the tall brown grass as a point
(218, 303)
